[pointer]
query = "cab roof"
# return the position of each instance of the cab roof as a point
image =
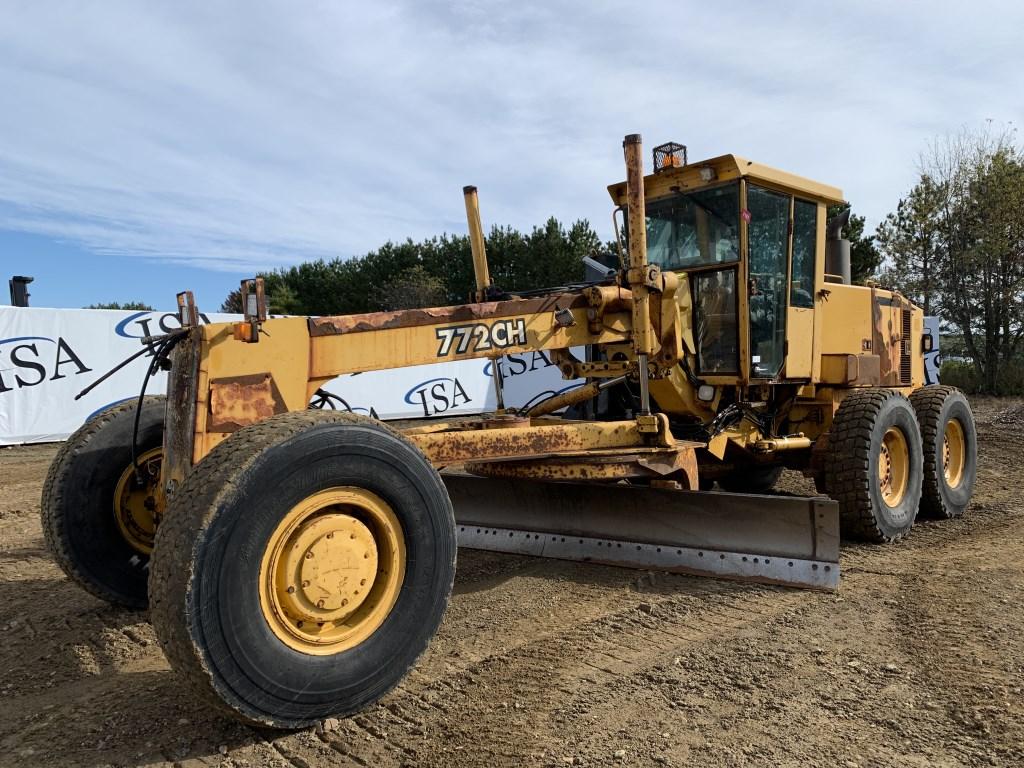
(727, 168)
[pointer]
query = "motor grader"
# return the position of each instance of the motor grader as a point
(296, 560)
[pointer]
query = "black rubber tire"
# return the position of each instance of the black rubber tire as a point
(935, 405)
(204, 580)
(851, 465)
(77, 504)
(751, 480)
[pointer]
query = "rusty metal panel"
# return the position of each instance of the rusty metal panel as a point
(408, 318)
(339, 351)
(886, 322)
(444, 448)
(180, 416)
(237, 401)
(678, 464)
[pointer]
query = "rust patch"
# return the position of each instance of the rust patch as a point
(238, 401)
(180, 426)
(407, 318)
(671, 466)
(506, 421)
(541, 440)
(885, 338)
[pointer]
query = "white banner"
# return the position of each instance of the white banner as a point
(47, 356)
(932, 360)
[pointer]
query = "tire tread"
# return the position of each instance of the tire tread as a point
(847, 464)
(51, 505)
(189, 513)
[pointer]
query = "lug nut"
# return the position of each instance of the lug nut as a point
(305, 583)
(291, 590)
(309, 555)
(319, 603)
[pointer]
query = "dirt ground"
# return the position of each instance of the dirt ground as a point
(917, 660)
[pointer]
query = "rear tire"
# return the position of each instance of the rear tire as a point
(874, 465)
(751, 479)
(950, 450)
(233, 603)
(80, 521)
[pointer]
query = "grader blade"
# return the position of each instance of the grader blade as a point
(771, 539)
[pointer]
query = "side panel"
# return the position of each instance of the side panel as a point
(799, 343)
(846, 320)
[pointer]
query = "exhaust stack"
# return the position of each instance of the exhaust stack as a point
(837, 250)
(476, 243)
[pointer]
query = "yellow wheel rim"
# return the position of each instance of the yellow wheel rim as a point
(332, 570)
(893, 466)
(954, 455)
(135, 504)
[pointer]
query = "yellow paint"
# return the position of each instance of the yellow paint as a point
(727, 168)
(377, 350)
(800, 340)
(135, 505)
(954, 453)
(893, 466)
(332, 570)
(675, 394)
(845, 320)
(543, 437)
(282, 351)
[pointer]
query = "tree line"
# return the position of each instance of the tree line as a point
(434, 272)
(955, 246)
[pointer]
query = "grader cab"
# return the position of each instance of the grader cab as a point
(297, 560)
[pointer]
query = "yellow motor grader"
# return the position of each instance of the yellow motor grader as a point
(296, 560)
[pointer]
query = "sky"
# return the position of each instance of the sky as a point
(148, 148)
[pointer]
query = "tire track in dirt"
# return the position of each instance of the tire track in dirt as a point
(527, 683)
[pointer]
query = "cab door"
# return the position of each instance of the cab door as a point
(768, 216)
(800, 312)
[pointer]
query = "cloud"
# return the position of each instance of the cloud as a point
(250, 135)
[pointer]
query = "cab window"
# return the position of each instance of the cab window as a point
(694, 229)
(805, 236)
(768, 244)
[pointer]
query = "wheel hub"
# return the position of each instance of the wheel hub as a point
(135, 501)
(953, 453)
(893, 466)
(332, 570)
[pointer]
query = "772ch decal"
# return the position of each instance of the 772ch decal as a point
(479, 337)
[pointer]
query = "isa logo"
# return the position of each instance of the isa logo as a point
(28, 361)
(437, 396)
(511, 366)
(143, 324)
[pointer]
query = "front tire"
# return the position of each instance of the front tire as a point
(751, 479)
(874, 465)
(950, 450)
(98, 520)
(302, 567)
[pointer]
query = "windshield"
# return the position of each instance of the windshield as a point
(693, 229)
